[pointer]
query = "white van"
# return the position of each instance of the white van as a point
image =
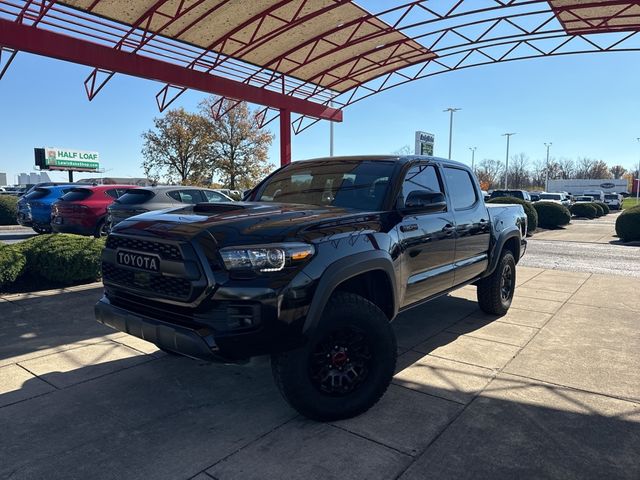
(597, 195)
(613, 200)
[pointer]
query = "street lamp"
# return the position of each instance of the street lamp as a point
(451, 112)
(546, 180)
(506, 163)
(473, 156)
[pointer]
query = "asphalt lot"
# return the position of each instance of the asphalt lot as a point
(584, 246)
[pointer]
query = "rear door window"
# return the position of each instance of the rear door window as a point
(462, 190)
(113, 193)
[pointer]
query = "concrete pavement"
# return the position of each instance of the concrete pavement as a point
(552, 389)
(15, 233)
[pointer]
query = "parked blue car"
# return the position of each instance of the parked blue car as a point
(34, 208)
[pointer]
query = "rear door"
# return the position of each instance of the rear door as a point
(427, 240)
(473, 228)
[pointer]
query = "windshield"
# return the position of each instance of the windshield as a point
(550, 196)
(584, 199)
(135, 196)
(76, 194)
(611, 196)
(360, 185)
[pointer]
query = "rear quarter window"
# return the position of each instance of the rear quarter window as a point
(135, 196)
(461, 188)
(76, 195)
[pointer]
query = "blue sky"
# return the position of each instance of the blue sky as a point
(587, 105)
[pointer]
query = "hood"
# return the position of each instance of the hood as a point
(238, 223)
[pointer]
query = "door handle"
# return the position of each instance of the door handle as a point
(411, 227)
(448, 229)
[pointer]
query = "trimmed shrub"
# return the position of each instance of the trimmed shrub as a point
(599, 210)
(12, 264)
(62, 258)
(604, 206)
(585, 210)
(628, 224)
(532, 215)
(8, 210)
(552, 215)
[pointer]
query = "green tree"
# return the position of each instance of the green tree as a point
(239, 147)
(178, 149)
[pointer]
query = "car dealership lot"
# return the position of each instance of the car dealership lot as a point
(551, 389)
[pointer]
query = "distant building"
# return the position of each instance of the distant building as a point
(44, 177)
(23, 179)
(3, 179)
(578, 186)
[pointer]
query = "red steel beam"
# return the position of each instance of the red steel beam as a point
(285, 137)
(63, 47)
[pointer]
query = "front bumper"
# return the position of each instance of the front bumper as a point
(192, 343)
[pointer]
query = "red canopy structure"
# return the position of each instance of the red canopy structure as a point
(311, 58)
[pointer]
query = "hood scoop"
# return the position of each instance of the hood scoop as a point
(207, 208)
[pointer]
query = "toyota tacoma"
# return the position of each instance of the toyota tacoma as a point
(311, 269)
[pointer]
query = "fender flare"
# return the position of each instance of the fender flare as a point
(342, 270)
(507, 234)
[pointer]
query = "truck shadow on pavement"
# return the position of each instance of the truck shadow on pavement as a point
(103, 409)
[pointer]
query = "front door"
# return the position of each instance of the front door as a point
(427, 240)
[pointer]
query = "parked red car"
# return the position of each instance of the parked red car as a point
(83, 210)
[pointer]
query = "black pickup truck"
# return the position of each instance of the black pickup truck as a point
(311, 269)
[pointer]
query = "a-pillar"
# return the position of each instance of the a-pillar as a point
(285, 137)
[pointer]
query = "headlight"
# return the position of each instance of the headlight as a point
(266, 258)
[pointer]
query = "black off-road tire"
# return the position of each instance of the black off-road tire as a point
(301, 374)
(495, 292)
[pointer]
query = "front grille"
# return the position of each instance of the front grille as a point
(166, 251)
(178, 288)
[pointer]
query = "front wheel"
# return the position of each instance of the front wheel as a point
(345, 367)
(495, 292)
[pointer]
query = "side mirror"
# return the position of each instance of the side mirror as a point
(425, 201)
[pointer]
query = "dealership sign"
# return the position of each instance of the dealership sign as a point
(424, 143)
(608, 185)
(53, 158)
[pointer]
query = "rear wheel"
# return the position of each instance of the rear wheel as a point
(345, 368)
(39, 229)
(495, 293)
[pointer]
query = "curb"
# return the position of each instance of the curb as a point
(14, 228)
(16, 297)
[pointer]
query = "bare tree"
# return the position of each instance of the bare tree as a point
(177, 150)
(599, 169)
(584, 166)
(238, 153)
(617, 171)
(538, 173)
(518, 171)
(566, 169)
(489, 172)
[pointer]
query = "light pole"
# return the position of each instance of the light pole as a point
(451, 112)
(473, 156)
(506, 163)
(546, 180)
(638, 180)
